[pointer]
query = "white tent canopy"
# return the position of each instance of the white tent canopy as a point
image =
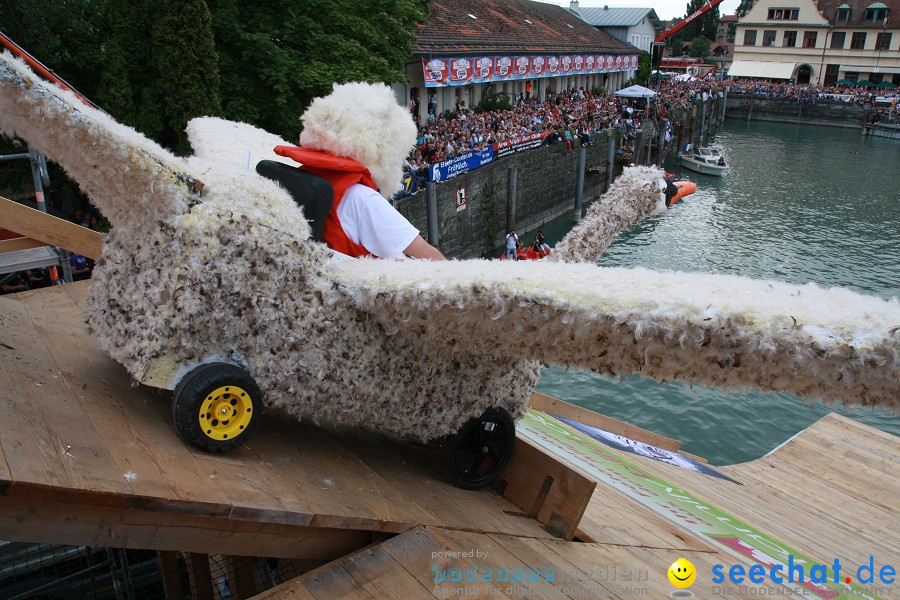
(635, 91)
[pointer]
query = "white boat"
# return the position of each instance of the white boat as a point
(708, 161)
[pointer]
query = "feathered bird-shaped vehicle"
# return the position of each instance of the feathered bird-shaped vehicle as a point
(209, 284)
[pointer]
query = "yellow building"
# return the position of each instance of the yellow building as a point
(819, 41)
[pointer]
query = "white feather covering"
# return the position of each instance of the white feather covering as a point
(128, 177)
(721, 330)
(637, 193)
(226, 142)
(412, 347)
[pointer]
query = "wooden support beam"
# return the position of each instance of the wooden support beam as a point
(50, 230)
(200, 577)
(171, 579)
(25, 520)
(21, 243)
(244, 569)
(546, 489)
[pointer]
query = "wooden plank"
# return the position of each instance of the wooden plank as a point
(423, 555)
(26, 377)
(554, 406)
(24, 520)
(377, 572)
(330, 484)
(574, 577)
(199, 576)
(495, 558)
(22, 243)
(416, 475)
(171, 578)
(135, 422)
(613, 518)
(546, 488)
(289, 590)
(86, 458)
(334, 581)
(51, 230)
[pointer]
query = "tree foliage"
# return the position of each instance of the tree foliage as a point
(155, 64)
(644, 68)
(66, 35)
(492, 100)
(700, 47)
(160, 67)
(275, 57)
(704, 26)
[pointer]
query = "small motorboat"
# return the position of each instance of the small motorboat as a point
(708, 161)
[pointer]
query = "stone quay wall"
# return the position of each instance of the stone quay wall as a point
(821, 112)
(545, 189)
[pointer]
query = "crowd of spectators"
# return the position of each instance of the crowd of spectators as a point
(575, 115)
(807, 92)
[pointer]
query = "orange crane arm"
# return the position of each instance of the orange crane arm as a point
(710, 4)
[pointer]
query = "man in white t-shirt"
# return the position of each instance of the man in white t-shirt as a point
(512, 245)
(357, 138)
(370, 220)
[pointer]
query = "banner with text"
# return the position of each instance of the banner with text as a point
(452, 167)
(517, 144)
(450, 71)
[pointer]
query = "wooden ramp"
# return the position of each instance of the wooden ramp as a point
(832, 491)
(86, 458)
(408, 565)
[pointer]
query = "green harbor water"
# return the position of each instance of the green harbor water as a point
(799, 203)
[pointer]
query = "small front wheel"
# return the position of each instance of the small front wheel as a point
(481, 449)
(216, 407)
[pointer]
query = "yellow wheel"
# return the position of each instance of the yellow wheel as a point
(226, 412)
(216, 407)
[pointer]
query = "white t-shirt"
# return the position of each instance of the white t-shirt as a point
(370, 220)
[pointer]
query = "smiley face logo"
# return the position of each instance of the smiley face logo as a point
(682, 573)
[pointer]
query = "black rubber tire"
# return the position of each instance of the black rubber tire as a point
(480, 450)
(191, 393)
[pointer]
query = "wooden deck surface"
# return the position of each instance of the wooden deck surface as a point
(76, 431)
(405, 567)
(832, 491)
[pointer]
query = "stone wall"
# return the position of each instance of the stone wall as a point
(545, 189)
(823, 112)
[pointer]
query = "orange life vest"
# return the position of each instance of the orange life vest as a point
(341, 173)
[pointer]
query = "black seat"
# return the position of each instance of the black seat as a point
(312, 193)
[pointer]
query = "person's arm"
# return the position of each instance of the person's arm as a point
(419, 248)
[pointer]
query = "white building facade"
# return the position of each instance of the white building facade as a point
(821, 42)
(636, 26)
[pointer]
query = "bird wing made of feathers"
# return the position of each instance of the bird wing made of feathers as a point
(721, 330)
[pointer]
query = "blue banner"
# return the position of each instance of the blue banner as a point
(444, 170)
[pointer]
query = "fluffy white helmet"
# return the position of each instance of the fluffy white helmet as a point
(362, 121)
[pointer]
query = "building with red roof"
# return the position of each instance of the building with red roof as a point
(519, 47)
